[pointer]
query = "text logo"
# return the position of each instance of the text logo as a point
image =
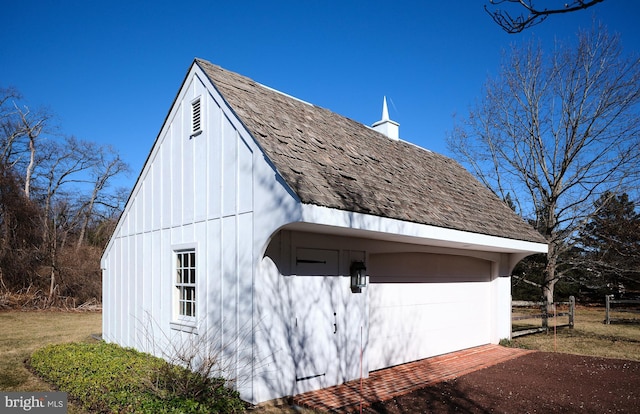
(33, 402)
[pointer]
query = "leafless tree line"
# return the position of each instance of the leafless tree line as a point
(57, 205)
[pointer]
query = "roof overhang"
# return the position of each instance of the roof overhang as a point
(345, 223)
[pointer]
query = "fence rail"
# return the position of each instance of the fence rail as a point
(608, 318)
(544, 315)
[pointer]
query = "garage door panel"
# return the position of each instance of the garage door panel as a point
(433, 312)
(428, 268)
(410, 321)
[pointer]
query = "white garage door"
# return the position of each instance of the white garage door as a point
(422, 305)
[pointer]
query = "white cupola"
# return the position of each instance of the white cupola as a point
(386, 126)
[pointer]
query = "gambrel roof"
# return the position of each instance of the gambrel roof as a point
(332, 161)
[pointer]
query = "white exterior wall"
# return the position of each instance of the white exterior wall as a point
(194, 192)
(455, 301)
(311, 328)
(501, 300)
(285, 327)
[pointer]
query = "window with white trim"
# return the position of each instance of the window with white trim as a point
(185, 284)
(196, 117)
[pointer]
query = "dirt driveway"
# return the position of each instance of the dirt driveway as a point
(538, 382)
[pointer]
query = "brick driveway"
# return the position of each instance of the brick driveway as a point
(390, 382)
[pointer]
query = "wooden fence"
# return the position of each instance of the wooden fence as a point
(612, 313)
(526, 310)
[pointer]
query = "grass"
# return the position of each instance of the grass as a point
(590, 336)
(24, 332)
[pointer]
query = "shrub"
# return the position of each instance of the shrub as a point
(107, 378)
(509, 343)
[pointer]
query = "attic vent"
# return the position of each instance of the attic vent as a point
(196, 126)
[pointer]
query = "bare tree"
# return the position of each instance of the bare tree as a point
(32, 126)
(64, 168)
(10, 128)
(108, 165)
(21, 131)
(54, 194)
(530, 15)
(555, 132)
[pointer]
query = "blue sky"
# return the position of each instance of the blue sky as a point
(110, 70)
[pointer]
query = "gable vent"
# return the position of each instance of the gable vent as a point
(196, 126)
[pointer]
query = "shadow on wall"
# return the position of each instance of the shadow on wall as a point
(310, 331)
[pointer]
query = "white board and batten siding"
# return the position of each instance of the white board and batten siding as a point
(311, 328)
(195, 191)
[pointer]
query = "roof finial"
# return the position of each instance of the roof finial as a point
(385, 110)
(385, 125)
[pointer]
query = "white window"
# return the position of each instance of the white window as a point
(196, 118)
(185, 285)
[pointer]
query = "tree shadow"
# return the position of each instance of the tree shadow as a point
(445, 397)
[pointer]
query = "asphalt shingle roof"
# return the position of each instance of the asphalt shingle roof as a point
(332, 161)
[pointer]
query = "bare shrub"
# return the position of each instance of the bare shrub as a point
(19, 235)
(211, 363)
(27, 298)
(79, 273)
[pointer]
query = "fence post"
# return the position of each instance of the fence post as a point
(572, 310)
(607, 305)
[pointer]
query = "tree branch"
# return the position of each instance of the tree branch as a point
(533, 15)
(527, 281)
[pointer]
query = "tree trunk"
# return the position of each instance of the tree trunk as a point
(53, 254)
(550, 278)
(87, 216)
(52, 285)
(32, 162)
(3, 287)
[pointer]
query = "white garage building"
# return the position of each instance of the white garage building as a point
(302, 247)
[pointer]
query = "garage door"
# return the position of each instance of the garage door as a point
(422, 305)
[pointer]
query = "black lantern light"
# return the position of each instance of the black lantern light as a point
(358, 276)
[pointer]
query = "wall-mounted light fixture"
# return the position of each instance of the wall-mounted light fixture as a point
(358, 276)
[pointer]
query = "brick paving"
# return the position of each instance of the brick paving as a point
(391, 382)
